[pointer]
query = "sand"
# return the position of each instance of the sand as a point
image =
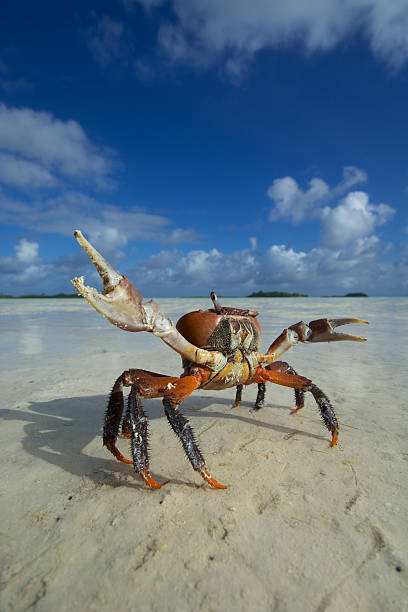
(302, 526)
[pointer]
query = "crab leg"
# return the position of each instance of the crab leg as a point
(238, 396)
(285, 376)
(145, 385)
(122, 305)
(181, 389)
(320, 330)
(113, 417)
(138, 444)
(282, 366)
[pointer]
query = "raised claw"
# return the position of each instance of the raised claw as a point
(322, 330)
(121, 303)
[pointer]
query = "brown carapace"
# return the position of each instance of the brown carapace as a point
(219, 349)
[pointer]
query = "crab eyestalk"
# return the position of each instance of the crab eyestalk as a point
(215, 301)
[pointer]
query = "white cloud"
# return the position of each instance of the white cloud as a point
(352, 219)
(319, 271)
(179, 235)
(24, 270)
(108, 226)
(359, 266)
(26, 251)
(291, 201)
(286, 264)
(186, 273)
(110, 237)
(39, 140)
(254, 243)
(233, 31)
(24, 174)
(387, 30)
(351, 176)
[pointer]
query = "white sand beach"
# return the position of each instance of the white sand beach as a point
(301, 526)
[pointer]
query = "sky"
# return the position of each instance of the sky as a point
(205, 145)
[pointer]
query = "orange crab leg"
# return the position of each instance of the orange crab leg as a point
(294, 381)
(172, 399)
(267, 374)
(174, 391)
(116, 452)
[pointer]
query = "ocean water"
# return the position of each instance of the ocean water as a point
(47, 333)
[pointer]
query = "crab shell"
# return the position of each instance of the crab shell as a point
(226, 331)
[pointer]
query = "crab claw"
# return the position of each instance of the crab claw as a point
(121, 303)
(322, 330)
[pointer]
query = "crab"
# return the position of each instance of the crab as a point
(219, 349)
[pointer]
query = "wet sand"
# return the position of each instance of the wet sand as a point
(302, 526)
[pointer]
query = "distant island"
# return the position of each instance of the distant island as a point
(256, 294)
(276, 294)
(348, 295)
(39, 295)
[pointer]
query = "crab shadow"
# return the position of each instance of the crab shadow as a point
(60, 430)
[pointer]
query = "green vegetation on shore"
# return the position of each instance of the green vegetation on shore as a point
(359, 294)
(276, 294)
(255, 294)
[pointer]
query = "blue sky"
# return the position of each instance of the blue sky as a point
(218, 144)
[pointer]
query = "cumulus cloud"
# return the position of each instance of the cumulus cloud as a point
(358, 266)
(352, 219)
(40, 152)
(233, 31)
(45, 148)
(291, 201)
(108, 226)
(23, 270)
(184, 273)
(26, 251)
(24, 174)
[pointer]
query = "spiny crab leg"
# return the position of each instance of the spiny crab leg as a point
(320, 330)
(121, 304)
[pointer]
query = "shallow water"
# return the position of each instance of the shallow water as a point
(40, 332)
